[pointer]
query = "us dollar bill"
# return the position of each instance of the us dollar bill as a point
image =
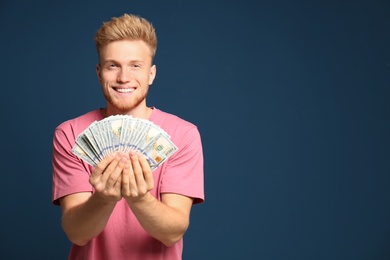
(124, 133)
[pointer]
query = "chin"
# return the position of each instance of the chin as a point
(123, 108)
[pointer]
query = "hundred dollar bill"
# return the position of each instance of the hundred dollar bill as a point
(116, 131)
(124, 133)
(93, 140)
(77, 150)
(159, 149)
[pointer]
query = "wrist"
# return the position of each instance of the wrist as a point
(146, 199)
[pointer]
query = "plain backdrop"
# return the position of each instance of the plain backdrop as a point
(291, 99)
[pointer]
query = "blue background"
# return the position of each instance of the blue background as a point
(291, 99)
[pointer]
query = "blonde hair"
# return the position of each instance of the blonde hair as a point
(126, 27)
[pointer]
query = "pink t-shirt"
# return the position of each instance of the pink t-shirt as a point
(123, 236)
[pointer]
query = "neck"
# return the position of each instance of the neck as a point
(144, 112)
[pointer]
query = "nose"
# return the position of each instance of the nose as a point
(123, 75)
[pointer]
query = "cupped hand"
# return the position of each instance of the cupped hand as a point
(106, 177)
(137, 178)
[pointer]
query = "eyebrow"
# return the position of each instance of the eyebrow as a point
(131, 61)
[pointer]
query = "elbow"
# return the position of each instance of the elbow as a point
(175, 237)
(78, 242)
(74, 238)
(171, 241)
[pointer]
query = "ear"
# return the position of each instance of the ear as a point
(98, 71)
(152, 74)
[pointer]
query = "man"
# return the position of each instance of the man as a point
(121, 209)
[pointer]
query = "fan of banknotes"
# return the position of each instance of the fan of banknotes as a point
(124, 133)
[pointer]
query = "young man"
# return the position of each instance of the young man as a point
(121, 209)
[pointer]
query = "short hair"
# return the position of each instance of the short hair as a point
(126, 27)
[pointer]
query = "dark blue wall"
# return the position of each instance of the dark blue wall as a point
(291, 99)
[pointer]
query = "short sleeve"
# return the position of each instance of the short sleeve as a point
(70, 174)
(183, 172)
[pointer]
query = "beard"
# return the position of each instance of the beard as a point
(123, 106)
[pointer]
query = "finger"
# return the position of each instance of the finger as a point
(133, 179)
(102, 165)
(142, 186)
(136, 167)
(127, 176)
(97, 173)
(147, 172)
(130, 188)
(114, 170)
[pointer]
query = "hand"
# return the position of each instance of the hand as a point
(137, 178)
(106, 177)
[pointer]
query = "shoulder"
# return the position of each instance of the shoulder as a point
(182, 132)
(171, 123)
(78, 124)
(71, 128)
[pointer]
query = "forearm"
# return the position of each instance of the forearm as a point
(163, 222)
(85, 221)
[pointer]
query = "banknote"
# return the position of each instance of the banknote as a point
(124, 133)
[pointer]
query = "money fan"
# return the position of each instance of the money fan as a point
(124, 133)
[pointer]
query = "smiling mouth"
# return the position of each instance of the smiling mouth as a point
(124, 90)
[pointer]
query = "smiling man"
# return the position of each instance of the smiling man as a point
(125, 72)
(121, 209)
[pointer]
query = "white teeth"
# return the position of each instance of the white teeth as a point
(125, 90)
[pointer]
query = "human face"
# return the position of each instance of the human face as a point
(125, 73)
